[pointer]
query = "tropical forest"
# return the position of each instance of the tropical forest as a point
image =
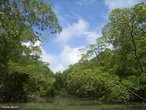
(110, 70)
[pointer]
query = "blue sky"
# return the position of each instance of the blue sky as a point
(81, 21)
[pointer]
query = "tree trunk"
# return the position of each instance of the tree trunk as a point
(135, 50)
(97, 57)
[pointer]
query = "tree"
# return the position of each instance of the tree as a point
(124, 31)
(124, 62)
(16, 17)
(21, 21)
(95, 50)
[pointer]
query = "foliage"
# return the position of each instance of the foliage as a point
(89, 83)
(60, 84)
(20, 24)
(113, 69)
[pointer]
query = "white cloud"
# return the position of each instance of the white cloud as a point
(37, 43)
(47, 57)
(53, 60)
(57, 67)
(91, 37)
(61, 61)
(70, 55)
(28, 44)
(76, 29)
(113, 4)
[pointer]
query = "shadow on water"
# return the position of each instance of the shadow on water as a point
(70, 104)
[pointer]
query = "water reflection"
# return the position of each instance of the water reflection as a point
(71, 104)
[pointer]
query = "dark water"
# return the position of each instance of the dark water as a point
(71, 104)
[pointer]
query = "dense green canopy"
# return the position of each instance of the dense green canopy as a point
(117, 69)
(21, 70)
(112, 70)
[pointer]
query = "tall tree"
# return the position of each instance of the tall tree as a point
(17, 18)
(21, 21)
(124, 31)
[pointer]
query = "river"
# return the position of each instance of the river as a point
(70, 104)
